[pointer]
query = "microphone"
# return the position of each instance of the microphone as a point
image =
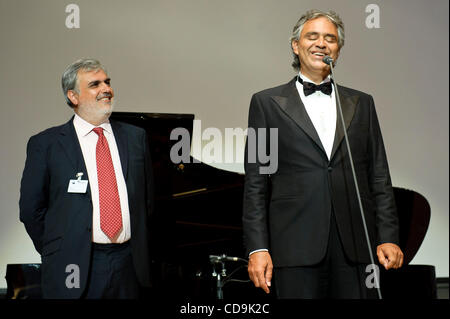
(328, 60)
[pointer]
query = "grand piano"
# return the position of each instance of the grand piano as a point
(197, 224)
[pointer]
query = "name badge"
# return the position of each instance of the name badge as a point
(77, 185)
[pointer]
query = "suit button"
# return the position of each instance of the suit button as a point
(330, 168)
(88, 229)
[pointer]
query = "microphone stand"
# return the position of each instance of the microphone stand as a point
(220, 281)
(219, 260)
(328, 60)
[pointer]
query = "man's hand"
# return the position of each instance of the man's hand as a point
(390, 255)
(260, 269)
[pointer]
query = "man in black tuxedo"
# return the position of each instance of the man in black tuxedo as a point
(87, 195)
(303, 221)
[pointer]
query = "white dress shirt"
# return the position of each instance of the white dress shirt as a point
(321, 109)
(88, 142)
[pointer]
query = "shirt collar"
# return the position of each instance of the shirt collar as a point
(85, 127)
(306, 79)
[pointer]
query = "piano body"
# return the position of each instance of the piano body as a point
(198, 211)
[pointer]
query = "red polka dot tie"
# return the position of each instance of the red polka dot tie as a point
(110, 213)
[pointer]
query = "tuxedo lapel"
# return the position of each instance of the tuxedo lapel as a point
(292, 105)
(348, 104)
(121, 139)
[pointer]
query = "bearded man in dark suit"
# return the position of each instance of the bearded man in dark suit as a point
(303, 223)
(86, 195)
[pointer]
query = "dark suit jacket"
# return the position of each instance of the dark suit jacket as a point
(289, 211)
(60, 223)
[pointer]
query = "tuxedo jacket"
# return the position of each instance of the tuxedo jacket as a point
(60, 223)
(289, 211)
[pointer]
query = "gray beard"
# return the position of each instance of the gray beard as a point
(92, 111)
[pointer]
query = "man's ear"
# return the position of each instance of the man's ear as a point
(294, 45)
(73, 97)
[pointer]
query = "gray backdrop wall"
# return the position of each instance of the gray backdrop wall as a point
(208, 57)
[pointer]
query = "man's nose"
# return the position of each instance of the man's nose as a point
(320, 43)
(105, 88)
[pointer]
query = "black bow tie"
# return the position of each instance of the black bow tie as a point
(310, 88)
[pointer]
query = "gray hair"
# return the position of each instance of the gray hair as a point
(69, 80)
(311, 15)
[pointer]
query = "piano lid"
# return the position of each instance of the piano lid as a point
(175, 180)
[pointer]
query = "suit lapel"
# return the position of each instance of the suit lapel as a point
(292, 105)
(69, 142)
(121, 139)
(348, 104)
